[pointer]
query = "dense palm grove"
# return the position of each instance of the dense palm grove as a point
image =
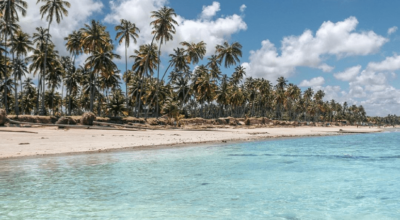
(192, 84)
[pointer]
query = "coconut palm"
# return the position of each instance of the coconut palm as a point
(52, 9)
(72, 81)
(20, 69)
(39, 38)
(74, 44)
(194, 52)
(213, 64)
(94, 40)
(28, 95)
(125, 31)
(163, 28)
(102, 63)
(238, 75)
(181, 86)
(229, 53)
(6, 87)
(146, 60)
(222, 93)
(8, 28)
(204, 86)
(117, 103)
(20, 45)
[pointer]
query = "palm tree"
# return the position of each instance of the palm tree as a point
(6, 87)
(116, 104)
(20, 69)
(238, 75)
(72, 80)
(28, 95)
(54, 79)
(9, 11)
(57, 9)
(74, 44)
(163, 28)
(39, 38)
(204, 86)
(146, 60)
(95, 39)
(213, 64)
(222, 93)
(102, 63)
(125, 31)
(21, 45)
(229, 53)
(194, 52)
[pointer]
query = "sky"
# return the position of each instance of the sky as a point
(347, 48)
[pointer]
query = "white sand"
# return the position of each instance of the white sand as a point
(52, 140)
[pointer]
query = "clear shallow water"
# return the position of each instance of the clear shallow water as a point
(346, 177)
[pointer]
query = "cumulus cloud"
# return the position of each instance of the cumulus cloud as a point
(331, 39)
(326, 68)
(372, 87)
(389, 64)
(210, 10)
(78, 14)
(243, 8)
(349, 74)
(392, 30)
(318, 81)
(206, 28)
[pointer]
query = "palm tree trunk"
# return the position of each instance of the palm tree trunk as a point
(140, 97)
(22, 97)
(5, 58)
(62, 96)
(38, 93)
(158, 77)
(43, 110)
(126, 69)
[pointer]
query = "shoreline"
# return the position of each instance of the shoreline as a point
(64, 142)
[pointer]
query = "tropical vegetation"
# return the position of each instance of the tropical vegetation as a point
(191, 86)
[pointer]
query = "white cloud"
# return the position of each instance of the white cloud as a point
(349, 74)
(331, 39)
(372, 87)
(357, 91)
(212, 31)
(78, 14)
(318, 81)
(243, 8)
(392, 30)
(389, 64)
(326, 68)
(210, 10)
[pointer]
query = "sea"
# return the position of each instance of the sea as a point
(333, 177)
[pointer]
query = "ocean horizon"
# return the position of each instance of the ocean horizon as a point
(332, 177)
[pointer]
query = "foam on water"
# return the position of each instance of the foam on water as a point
(341, 177)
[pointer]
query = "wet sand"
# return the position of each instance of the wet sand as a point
(26, 142)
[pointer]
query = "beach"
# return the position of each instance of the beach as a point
(26, 142)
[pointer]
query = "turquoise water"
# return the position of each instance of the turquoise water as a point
(341, 177)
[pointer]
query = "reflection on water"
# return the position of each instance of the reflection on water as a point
(347, 177)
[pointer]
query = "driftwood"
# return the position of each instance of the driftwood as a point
(31, 132)
(119, 125)
(31, 123)
(72, 126)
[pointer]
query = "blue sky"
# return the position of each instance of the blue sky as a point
(345, 59)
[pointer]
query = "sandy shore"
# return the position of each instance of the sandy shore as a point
(51, 140)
